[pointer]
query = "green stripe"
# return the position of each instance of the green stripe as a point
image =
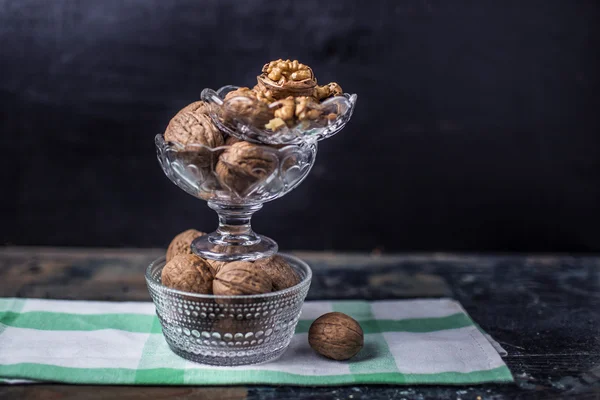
(167, 376)
(158, 362)
(139, 323)
(9, 304)
(454, 321)
(375, 356)
(52, 321)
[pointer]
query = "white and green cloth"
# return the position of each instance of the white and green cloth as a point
(430, 341)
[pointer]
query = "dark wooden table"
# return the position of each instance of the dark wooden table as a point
(544, 310)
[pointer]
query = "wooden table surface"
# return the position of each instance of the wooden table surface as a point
(544, 310)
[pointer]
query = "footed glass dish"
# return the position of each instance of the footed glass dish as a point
(339, 108)
(228, 330)
(235, 191)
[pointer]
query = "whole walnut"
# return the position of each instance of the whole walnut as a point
(243, 105)
(216, 265)
(241, 278)
(244, 164)
(283, 78)
(189, 273)
(281, 273)
(336, 335)
(182, 242)
(190, 127)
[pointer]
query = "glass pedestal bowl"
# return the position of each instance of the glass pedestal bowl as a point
(228, 330)
(235, 193)
(338, 108)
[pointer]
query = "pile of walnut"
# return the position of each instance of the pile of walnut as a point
(285, 95)
(333, 335)
(238, 167)
(190, 273)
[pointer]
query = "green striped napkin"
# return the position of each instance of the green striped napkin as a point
(429, 341)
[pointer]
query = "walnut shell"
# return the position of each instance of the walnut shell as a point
(243, 105)
(241, 278)
(193, 126)
(231, 140)
(283, 78)
(189, 273)
(281, 273)
(182, 242)
(336, 335)
(244, 164)
(215, 265)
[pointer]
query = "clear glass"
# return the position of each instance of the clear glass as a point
(307, 131)
(228, 330)
(235, 199)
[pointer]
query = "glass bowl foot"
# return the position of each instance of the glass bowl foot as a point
(210, 247)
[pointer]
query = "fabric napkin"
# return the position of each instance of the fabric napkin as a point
(430, 341)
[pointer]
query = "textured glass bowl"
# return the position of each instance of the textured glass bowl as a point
(228, 330)
(193, 169)
(306, 131)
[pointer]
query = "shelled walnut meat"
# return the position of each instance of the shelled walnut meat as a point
(189, 273)
(244, 164)
(336, 335)
(181, 244)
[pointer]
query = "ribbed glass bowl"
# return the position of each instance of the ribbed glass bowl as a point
(228, 330)
(306, 131)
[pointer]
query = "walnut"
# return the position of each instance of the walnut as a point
(281, 273)
(307, 108)
(325, 91)
(182, 242)
(244, 164)
(283, 78)
(295, 109)
(189, 273)
(229, 325)
(231, 140)
(243, 105)
(193, 126)
(241, 278)
(286, 109)
(336, 335)
(275, 124)
(215, 265)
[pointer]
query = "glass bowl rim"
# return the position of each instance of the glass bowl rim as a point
(162, 143)
(263, 296)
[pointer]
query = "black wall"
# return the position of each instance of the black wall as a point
(476, 126)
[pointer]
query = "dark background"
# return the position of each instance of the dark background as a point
(476, 126)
